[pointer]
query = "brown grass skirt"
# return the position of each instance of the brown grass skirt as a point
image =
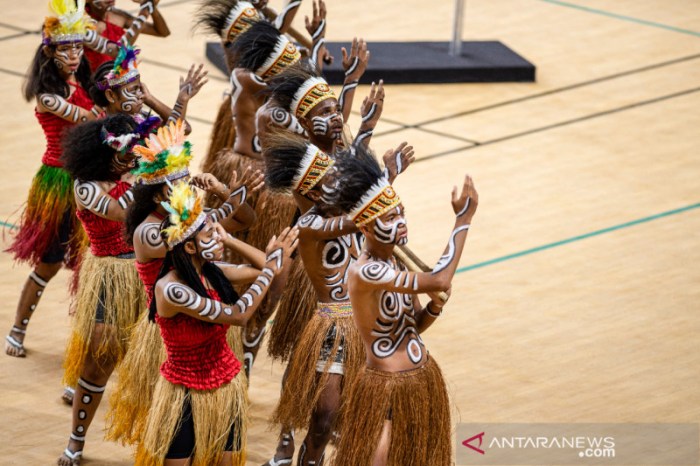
(115, 284)
(421, 432)
(213, 412)
(223, 135)
(303, 385)
(138, 375)
(295, 310)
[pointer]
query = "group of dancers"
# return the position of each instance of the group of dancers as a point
(177, 275)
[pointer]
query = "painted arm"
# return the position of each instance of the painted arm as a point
(101, 44)
(91, 196)
(284, 20)
(317, 28)
(176, 297)
(189, 87)
(148, 243)
(371, 110)
(397, 160)
(52, 103)
(314, 226)
(354, 65)
(382, 275)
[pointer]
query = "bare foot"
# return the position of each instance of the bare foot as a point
(68, 394)
(72, 454)
(14, 343)
(285, 451)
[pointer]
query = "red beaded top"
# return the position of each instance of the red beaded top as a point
(112, 32)
(199, 356)
(106, 236)
(54, 126)
(148, 272)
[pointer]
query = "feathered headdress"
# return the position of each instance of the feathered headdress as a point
(293, 164)
(67, 22)
(165, 156)
(124, 71)
(311, 93)
(227, 18)
(364, 191)
(186, 214)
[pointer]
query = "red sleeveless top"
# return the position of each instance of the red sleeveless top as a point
(199, 356)
(54, 126)
(148, 273)
(112, 32)
(106, 236)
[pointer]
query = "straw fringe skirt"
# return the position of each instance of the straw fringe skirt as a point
(113, 284)
(417, 404)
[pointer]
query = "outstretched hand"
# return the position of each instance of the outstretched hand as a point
(397, 160)
(190, 86)
(464, 204)
(280, 248)
(316, 26)
(355, 63)
(373, 105)
(253, 180)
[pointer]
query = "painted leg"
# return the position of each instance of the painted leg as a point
(28, 300)
(252, 341)
(313, 449)
(88, 395)
(285, 450)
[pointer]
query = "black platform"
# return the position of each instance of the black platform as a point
(424, 62)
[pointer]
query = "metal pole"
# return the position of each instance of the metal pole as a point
(456, 45)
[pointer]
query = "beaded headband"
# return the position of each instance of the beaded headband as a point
(239, 20)
(67, 22)
(283, 56)
(314, 165)
(124, 70)
(311, 93)
(377, 201)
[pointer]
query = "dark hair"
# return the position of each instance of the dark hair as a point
(141, 208)
(212, 15)
(283, 154)
(180, 261)
(254, 46)
(85, 156)
(285, 85)
(43, 76)
(358, 170)
(96, 94)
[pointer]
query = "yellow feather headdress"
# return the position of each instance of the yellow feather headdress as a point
(67, 22)
(165, 156)
(186, 214)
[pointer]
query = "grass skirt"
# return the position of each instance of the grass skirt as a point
(115, 284)
(293, 314)
(138, 375)
(213, 412)
(303, 385)
(50, 199)
(421, 432)
(223, 135)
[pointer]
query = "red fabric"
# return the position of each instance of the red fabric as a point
(199, 356)
(54, 126)
(106, 236)
(148, 272)
(112, 32)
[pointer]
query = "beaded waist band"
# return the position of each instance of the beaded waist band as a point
(339, 309)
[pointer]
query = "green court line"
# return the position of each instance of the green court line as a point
(578, 238)
(11, 226)
(623, 17)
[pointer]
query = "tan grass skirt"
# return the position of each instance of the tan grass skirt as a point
(418, 404)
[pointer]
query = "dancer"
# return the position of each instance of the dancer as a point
(164, 160)
(110, 296)
(115, 26)
(49, 234)
(398, 410)
(199, 405)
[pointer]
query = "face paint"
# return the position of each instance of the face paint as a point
(387, 233)
(131, 99)
(209, 249)
(321, 124)
(67, 57)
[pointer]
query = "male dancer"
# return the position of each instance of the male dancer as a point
(398, 411)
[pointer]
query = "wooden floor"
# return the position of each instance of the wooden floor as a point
(578, 299)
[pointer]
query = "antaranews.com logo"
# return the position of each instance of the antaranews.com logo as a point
(584, 444)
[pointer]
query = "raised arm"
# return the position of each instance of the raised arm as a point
(354, 65)
(314, 226)
(53, 103)
(175, 297)
(382, 275)
(371, 110)
(189, 87)
(90, 195)
(317, 28)
(284, 20)
(397, 160)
